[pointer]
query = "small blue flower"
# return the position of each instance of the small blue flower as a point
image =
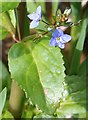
(35, 17)
(59, 38)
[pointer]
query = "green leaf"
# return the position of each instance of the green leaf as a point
(54, 7)
(43, 116)
(42, 27)
(12, 17)
(2, 99)
(3, 33)
(5, 22)
(83, 69)
(27, 114)
(28, 111)
(42, 4)
(76, 7)
(78, 50)
(20, 60)
(44, 75)
(5, 6)
(50, 70)
(7, 115)
(32, 6)
(74, 98)
(4, 76)
(75, 29)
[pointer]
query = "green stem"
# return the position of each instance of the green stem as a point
(22, 29)
(34, 37)
(45, 22)
(18, 27)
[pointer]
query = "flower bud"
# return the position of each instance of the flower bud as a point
(67, 11)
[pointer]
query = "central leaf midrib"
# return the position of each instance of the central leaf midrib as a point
(35, 61)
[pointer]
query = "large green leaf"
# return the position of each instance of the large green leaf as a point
(5, 6)
(50, 67)
(39, 72)
(74, 98)
(24, 71)
(2, 99)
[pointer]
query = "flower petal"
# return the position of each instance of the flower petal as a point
(61, 45)
(65, 38)
(60, 32)
(34, 24)
(39, 11)
(53, 42)
(57, 33)
(32, 16)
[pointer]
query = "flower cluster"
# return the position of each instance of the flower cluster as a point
(58, 37)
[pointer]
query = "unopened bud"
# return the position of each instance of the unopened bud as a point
(67, 11)
(49, 28)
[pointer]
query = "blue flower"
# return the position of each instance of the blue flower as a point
(59, 38)
(35, 17)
